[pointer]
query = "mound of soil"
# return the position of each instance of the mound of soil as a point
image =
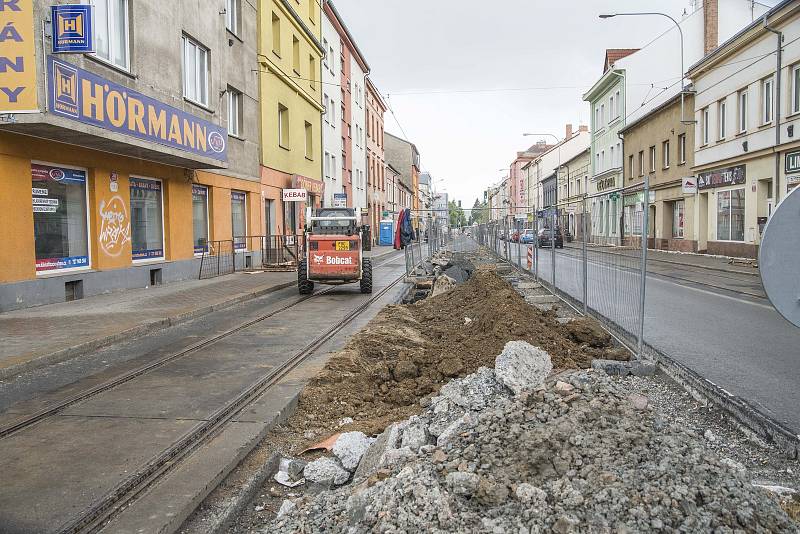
(408, 351)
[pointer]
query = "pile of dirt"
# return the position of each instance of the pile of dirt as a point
(408, 351)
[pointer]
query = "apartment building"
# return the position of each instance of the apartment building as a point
(118, 167)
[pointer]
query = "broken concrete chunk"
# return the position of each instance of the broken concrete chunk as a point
(462, 483)
(638, 401)
(350, 447)
(374, 458)
(443, 284)
(295, 468)
(563, 388)
(521, 366)
(612, 367)
(286, 507)
(415, 434)
(325, 471)
(530, 494)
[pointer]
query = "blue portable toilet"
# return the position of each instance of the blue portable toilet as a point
(387, 233)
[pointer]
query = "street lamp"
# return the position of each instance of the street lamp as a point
(680, 32)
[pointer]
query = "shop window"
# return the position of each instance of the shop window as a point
(147, 224)
(239, 219)
(677, 218)
(59, 218)
(730, 215)
(200, 218)
(111, 32)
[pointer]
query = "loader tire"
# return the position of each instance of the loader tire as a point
(304, 285)
(366, 276)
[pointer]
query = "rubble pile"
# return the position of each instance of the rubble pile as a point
(515, 450)
(408, 351)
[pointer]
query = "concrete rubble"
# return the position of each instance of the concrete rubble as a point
(577, 452)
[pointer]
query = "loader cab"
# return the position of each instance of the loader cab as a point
(334, 221)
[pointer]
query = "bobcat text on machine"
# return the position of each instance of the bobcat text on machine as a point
(333, 253)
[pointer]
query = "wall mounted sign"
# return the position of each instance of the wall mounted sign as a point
(72, 28)
(722, 177)
(294, 195)
(340, 200)
(689, 185)
(606, 183)
(18, 92)
(793, 161)
(85, 97)
(314, 187)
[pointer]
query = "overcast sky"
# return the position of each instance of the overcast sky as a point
(467, 78)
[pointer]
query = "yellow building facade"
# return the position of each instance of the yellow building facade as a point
(290, 57)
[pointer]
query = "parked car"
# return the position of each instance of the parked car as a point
(528, 237)
(544, 237)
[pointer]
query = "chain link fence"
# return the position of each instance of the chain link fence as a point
(588, 251)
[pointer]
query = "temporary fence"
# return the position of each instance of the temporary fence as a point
(587, 251)
(425, 245)
(252, 252)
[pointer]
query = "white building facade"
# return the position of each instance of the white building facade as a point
(331, 118)
(358, 121)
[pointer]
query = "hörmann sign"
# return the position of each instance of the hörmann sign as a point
(72, 28)
(17, 58)
(85, 97)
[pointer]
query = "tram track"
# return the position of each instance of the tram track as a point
(105, 509)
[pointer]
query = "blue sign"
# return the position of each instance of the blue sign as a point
(85, 97)
(72, 28)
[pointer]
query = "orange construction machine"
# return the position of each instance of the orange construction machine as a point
(333, 252)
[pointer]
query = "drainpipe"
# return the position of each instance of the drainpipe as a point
(779, 51)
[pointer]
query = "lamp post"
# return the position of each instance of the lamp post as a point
(680, 32)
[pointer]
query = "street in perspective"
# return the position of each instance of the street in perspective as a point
(301, 266)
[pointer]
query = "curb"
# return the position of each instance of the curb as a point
(136, 331)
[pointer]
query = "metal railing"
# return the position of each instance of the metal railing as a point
(281, 252)
(218, 259)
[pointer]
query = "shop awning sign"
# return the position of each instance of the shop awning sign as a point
(294, 195)
(689, 185)
(72, 28)
(85, 97)
(722, 177)
(18, 93)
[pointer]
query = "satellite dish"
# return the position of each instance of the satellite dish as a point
(779, 258)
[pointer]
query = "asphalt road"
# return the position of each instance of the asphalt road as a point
(718, 324)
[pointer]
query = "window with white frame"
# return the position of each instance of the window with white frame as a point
(617, 111)
(743, 98)
(722, 116)
(603, 114)
(682, 148)
(652, 158)
(597, 118)
(112, 31)
(767, 99)
(611, 108)
(730, 215)
(326, 102)
(327, 56)
(641, 163)
(796, 88)
(619, 155)
(235, 115)
(611, 154)
(665, 153)
(195, 71)
(233, 9)
(705, 125)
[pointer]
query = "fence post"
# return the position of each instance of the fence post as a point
(219, 257)
(643, 275)
(584, 231)
(553, 246)
(519, 244)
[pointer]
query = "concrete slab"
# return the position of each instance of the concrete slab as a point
(55, 471)
(542, 299)
(164, 507)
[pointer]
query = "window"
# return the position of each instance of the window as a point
(603, 114)
(200, 218)
(796, 89)
(597, 164)
(611, 154)
(60, 220)
(682, 148)
(611, 107)
(232, 14)
(312, 72)
(333, 63)
(309, 141)
(195, 71)
(597, 124)
(147, 224)
(619, 105)
(325, 55)
(630, 166)
(665, 153)
(721, 113)
(618, 163)
(235, 117)
(766, 101)
(296, 55)
(641, 163)
(327, 104)
(111, 32)
(705, 125)
(276, 34)
(743, 111)
(239, 219)
(652, 155)
(283, 126)
(677, 218)
(603, 159)
(312, 15)
(730, 215)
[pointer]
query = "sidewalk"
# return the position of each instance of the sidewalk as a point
(714, 263)
(40, 336)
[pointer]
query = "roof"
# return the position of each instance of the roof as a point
(615, 54)
(658, 109)
(337, 20)
(391, 168)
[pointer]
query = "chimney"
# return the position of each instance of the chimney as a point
(569, 131)
(583, 128)
(710, 25)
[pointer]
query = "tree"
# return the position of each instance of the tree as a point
(457, 217)
(479, 213)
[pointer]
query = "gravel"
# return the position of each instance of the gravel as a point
(609, 454)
